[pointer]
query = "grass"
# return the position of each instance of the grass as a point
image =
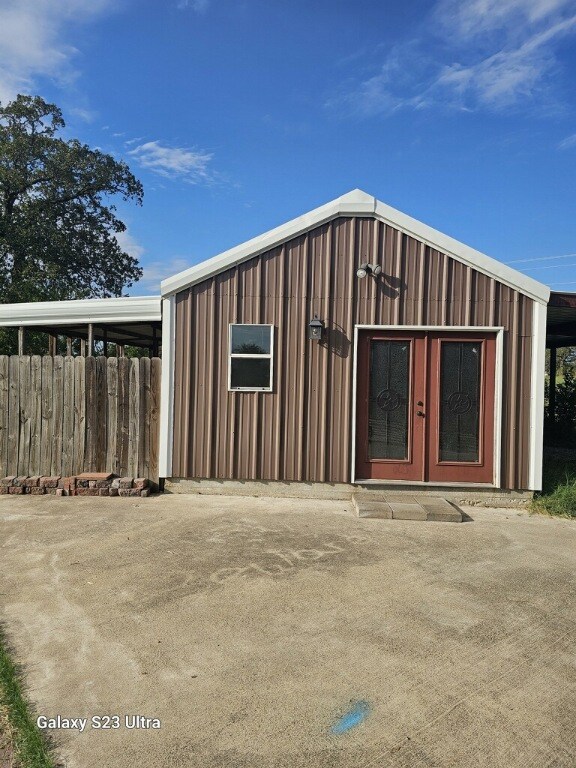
(22, 745)
(558, 495)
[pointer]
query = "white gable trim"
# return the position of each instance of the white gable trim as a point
(357, 203)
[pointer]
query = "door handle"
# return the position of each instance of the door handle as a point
(420, 413)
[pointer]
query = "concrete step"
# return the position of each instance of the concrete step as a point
(432, 509)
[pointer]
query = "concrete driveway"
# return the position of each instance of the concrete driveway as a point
(283, 633)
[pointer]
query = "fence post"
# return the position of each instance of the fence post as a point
(90, 339)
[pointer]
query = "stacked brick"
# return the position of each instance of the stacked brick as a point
(86, 484)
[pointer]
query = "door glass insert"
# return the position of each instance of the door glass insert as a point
(460, 367)
(388, 400)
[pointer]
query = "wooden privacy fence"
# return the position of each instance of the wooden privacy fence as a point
(67, 415)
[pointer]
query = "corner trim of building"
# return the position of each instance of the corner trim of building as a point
(537, 396)
(167, 386)
(498, 406)
(354, 391)
(499, 331)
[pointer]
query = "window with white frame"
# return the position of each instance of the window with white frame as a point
(251, 357)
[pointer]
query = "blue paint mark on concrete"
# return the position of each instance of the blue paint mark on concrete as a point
(355, 715)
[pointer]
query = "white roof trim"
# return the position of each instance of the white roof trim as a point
(130, 309)
(357, 203)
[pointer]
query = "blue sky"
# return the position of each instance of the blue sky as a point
(240, 115)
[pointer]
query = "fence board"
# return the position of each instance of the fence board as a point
(112, 463)
(4, 387)
(35, 414)
(13, 416)
(101, 394)
(24, 447)
(65, 415)
(68, 418)
(134, 418)
(79, 412)
(123, 425)
(91, 413)
(47, 432)
(154, 418)
(144, 447)
(58, 411)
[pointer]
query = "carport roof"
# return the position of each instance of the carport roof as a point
(135, 320)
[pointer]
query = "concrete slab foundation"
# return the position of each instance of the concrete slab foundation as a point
(460, 495)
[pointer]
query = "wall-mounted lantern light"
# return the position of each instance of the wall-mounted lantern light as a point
(315, 328)
(368, 269)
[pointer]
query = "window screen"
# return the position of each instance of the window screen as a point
(251, 357)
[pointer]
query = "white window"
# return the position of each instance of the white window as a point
(251, 356)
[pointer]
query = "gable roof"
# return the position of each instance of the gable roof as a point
(357, 203)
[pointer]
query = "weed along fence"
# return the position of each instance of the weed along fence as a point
(62, 416)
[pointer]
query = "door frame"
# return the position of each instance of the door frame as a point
(499, 331)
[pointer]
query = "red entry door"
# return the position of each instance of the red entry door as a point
(425, 406)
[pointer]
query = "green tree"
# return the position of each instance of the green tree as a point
(57, 221)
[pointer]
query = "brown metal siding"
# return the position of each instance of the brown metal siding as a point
(301, 431)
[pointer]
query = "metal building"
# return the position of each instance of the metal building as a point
(354, 344)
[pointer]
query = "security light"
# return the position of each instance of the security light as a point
(368, 269)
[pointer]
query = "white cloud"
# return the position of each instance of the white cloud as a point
(129, 245)
(473, 53)
(200, 6)
(568, 142)
(153, 271)
(34, 41)
(472, 18)
(506, 76)
(87, 115)
(174, 162)
(156, 271)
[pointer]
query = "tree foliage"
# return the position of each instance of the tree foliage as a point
(57, 221)
(560, 427)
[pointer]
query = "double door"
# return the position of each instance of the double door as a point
(425, 406)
